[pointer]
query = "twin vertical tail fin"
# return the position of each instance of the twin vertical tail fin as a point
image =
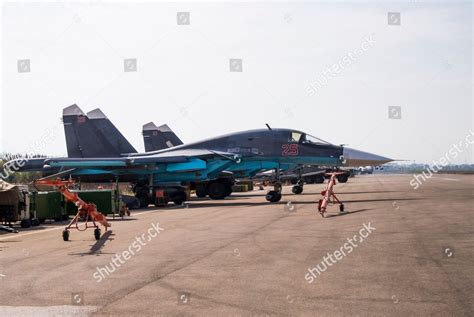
(159, 138)
(92, 135)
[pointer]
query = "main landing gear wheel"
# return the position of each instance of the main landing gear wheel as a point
(228, 190)
(201, 193)
(160, 202)
(298, 189)
(180, 198)
(217, 190)
(66, 235)
(97, 233)
(342, 178)
(319, 179)
(25, 223)
(341, 207)
(273, 196)
(144, 201)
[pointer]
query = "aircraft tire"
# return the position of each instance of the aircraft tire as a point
(180, 198)
(160, 202)
(201, 193)
(217, 190)
(135, 204)
(144, 201)
(25, 223)
(297, 189)
(319, 179)
(228, 190)
(273, 196)
(342, 178)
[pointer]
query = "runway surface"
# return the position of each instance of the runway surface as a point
(244, 256)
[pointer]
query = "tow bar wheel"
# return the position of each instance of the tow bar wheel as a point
(97, 233)
(66, 235)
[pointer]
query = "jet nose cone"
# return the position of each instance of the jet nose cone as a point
(359, 158)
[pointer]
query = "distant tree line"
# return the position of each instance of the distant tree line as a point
(14, 177)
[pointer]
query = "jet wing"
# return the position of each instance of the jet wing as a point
(177, 156)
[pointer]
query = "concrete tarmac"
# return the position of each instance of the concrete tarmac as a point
(411, 253)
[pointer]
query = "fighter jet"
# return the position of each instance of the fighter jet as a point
(93, 135)
(242, 153)
(158, 138)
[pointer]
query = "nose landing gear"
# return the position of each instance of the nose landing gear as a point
(298, 188)
(274, 195)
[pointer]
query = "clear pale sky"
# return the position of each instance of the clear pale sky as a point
(77, 51)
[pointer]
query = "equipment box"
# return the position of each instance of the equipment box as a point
(48, 205)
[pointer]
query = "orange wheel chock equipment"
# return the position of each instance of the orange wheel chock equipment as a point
(329, 196)
(85, 210)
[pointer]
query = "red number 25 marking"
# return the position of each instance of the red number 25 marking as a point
(289, 149)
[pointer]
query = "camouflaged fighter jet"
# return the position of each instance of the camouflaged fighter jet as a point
(242, 153)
